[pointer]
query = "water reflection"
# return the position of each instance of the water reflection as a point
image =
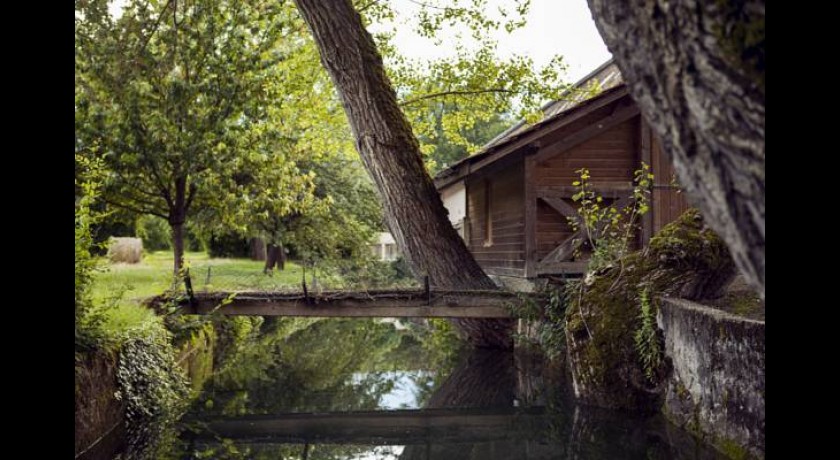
(362, 389)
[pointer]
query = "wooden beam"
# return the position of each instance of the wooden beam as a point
(379, 304)
(565, 209)
(565, 251)
(397, 427)
(505, 271)
(530, 218)
(621, 115)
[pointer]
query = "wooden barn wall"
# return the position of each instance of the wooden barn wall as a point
(668, 201)
(505, 255)
(611, 157)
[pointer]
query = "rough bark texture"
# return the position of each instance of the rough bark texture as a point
(276, 257)
(696, 69)
(414, 211)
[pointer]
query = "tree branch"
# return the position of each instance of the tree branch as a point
(134, 208)
(456, 93)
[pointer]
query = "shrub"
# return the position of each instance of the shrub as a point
(155, 233)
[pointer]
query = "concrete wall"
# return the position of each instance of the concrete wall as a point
(716, 388)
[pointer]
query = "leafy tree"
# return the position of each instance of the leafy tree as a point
(174, 97)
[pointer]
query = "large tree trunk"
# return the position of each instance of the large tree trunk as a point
(696, 69)
(413, 209)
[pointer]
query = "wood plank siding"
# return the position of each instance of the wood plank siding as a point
(610, 158)
(503, 251)
(519, 196)
(668, 201)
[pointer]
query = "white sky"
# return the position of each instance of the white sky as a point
(563, 27)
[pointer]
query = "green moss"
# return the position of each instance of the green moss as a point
(732, 449)
(685, 258)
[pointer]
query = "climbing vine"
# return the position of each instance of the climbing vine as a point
(155, 392)
(547, 316)
(646, 337)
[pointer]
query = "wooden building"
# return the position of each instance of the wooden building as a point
(511, 200)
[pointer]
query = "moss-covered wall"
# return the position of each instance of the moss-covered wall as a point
(685, 258)
(716, 388)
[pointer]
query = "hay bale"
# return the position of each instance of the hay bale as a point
(125, 250)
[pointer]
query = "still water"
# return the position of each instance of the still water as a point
(372, 389)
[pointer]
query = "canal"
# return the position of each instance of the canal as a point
(302, 388)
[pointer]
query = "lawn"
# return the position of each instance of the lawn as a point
(154, 274)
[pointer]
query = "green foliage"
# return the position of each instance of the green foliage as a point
(547, 316)
(457, 103)
(155, 392)
(87, 320)
(646, 337)
(609, 231)
(341, 219)
(177, 102)
(154, 232)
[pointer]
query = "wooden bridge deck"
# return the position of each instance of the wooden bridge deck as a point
(384, 303)
(400, 427)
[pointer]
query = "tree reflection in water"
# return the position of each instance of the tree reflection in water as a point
(327, 366)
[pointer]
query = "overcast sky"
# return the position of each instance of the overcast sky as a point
(562, 27)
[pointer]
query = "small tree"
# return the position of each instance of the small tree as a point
(168, 93)
(609, 230)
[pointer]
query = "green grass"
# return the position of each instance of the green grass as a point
(153, 275)
(120, 288)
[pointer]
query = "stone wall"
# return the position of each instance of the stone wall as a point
(716, 388)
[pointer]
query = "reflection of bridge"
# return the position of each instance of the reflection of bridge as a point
(382, 303)
(401, 427)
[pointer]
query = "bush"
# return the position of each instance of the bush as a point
(125, 250)
(155, 233)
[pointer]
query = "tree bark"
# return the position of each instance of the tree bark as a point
(177, 218)
(696, 69)
(178, 245)
(413, 209)
(276, 256)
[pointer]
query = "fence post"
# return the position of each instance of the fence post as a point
(188, 285)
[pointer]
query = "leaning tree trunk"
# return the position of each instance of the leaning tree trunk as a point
(413, 209)
(696, 69)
